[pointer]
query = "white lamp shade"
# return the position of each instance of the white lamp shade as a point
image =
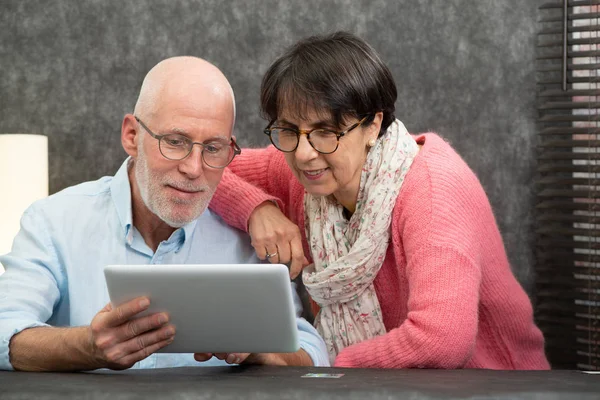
(23, 180)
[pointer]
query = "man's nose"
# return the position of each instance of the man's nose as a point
(192, 166)
(305, 152)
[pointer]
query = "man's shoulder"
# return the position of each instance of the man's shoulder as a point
(212, 233)
(211, 220)
(89, 189)
(73, 197)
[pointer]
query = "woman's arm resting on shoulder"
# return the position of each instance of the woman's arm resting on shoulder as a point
(235, 200)
(248, 199)
(246, 183)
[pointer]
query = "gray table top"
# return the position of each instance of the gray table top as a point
(263, 382)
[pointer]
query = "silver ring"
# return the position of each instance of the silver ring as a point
(271, 255)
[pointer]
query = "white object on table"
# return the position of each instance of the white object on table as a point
(23, 180)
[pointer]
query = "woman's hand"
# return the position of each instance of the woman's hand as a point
(276, 238)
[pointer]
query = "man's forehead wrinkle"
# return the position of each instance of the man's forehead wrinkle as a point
(185, 132)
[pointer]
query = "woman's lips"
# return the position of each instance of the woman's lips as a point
(314, 174)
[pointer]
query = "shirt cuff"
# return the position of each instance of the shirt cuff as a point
(312, 343)
(6, 334)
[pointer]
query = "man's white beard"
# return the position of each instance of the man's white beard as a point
(151, 186)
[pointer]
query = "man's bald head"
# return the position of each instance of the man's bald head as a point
(183, 79)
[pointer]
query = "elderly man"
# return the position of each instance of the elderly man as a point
(53, 300)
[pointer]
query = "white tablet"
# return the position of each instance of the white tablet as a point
(216, 308)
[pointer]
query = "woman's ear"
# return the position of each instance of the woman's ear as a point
(375, 126)
(129, 135)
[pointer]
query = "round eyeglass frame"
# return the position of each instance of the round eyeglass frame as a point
(267, 131)
(233, 144)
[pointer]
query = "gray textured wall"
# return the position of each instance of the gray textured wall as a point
(464, 68)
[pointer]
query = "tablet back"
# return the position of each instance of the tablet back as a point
(215, 308)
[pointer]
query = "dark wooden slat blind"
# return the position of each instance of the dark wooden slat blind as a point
(568, 185)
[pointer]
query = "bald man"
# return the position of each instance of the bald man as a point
(55, 313)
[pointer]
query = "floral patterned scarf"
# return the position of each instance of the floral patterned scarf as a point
(348, 254)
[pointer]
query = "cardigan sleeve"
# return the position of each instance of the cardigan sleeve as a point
(255, 176)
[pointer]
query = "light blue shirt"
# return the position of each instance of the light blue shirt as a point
(54, 272)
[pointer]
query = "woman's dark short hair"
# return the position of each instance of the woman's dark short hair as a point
(339, 74)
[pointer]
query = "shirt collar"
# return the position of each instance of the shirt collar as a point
(188, 229)
(120, 190)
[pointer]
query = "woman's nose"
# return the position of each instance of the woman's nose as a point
(305, 152)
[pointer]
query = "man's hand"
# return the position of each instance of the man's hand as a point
(299, 358)
(276, 238)
(118, 339)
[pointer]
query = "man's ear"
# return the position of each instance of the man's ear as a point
(129, 135)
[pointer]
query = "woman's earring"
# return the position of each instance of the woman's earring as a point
(371, 142)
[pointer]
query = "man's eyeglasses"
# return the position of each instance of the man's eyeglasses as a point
(215, 154)
(325, 141)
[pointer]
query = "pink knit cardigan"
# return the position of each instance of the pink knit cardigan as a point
(447, 293)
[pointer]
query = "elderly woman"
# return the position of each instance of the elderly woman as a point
(407, 265)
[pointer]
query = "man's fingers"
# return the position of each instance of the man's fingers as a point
(139, 355)
(137, 326)
(232, 358)
(236, 358)
(258, 358)
(141, 342)
(202, 356)
(121, 314)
